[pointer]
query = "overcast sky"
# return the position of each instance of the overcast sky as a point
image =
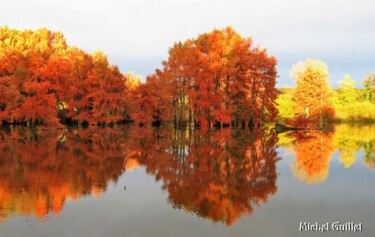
(136, 34)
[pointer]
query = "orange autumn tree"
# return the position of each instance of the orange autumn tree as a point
(179, 71)
(218, 78)
(151, 101)
(45, 81)
(106, 97)
(313, 93)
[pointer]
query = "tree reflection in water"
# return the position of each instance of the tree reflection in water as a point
(313, 150)
(40, 169)
(218, 175)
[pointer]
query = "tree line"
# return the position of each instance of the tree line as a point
(219, 78)
(45, 81)
(313, 101)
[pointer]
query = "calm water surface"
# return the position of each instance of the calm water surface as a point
(130, 181)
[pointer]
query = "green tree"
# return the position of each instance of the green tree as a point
(285, 104)
(346, 99)
(348, 94)
(369, 83)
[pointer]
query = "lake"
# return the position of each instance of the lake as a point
(131, 181)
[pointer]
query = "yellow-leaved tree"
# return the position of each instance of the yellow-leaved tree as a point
(312, 95)
(346, 99)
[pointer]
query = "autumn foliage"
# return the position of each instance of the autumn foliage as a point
(312, 95)
(313, 102)
(217, 78)
(45, 81)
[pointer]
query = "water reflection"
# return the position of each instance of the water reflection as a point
(40, 169)
(219, 175)
(313, 150)
(350, 139)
